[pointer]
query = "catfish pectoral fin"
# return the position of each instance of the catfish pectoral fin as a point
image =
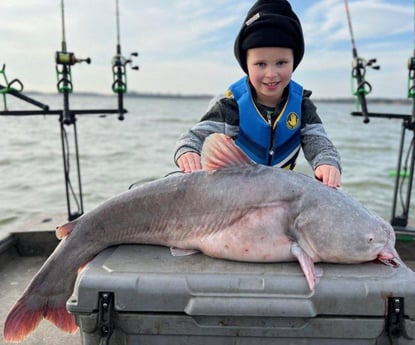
(306, 263)
(183, 252)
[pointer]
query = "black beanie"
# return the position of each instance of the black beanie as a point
(270, 23)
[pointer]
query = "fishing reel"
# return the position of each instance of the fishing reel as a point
(69, 59)
(411, 77)
(119, 64)
(66, 60)
(119, 74)
(119, 60)
(359, 66)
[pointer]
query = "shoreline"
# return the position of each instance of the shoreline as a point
(135, 94)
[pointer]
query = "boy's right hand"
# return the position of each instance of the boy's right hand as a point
(189, 162)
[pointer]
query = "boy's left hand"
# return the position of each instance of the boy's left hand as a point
(329, 175)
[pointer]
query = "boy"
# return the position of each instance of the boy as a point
(269, 116)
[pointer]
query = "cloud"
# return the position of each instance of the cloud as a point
(187, 77)
(187, 45)
(385, 34)
(326, 20)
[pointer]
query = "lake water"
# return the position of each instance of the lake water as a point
(114, 154)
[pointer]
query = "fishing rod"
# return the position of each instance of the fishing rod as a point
(359, 66)
(67, 117)
(411, 75)
(402, 173)
(408, 124)
(119, 63)
(10, 89)
(405, 165)
(64, 60)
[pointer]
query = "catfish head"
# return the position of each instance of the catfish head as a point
(388, 255)
(361, 236)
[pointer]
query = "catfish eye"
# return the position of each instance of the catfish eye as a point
(370, 239)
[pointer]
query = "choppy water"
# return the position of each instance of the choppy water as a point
(115, 153)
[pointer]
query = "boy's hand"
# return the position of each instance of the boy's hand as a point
(189, 162)
(329, 175)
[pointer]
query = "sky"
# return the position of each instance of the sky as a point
(186, 46)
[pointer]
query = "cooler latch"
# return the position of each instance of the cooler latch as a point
(395, 322)
(105, 316)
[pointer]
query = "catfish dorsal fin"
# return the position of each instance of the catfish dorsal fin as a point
(219, 151)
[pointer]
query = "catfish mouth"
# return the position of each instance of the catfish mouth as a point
(388, 256)
(389, 260)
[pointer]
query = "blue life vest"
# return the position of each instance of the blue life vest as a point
(268, 143)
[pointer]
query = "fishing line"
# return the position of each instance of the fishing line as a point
(67, 168)
(405, 174)
(411, 94)
(151, 179)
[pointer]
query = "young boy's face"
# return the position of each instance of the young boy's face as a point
(270, 70)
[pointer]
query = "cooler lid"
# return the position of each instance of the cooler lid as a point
(147, 278)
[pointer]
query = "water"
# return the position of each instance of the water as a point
(114, 154)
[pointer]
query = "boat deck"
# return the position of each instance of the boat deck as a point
(23, 253)
(14, 277)
(21, 256)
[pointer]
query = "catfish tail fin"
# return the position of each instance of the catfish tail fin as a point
(26, 314)
(20, 321)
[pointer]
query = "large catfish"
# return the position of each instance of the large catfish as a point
(234, 209)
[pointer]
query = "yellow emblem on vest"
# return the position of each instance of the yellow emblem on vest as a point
(292, 120)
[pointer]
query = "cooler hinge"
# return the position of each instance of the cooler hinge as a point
(395, 322)
(105, 316)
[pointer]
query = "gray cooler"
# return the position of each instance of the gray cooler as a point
(139, 294)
